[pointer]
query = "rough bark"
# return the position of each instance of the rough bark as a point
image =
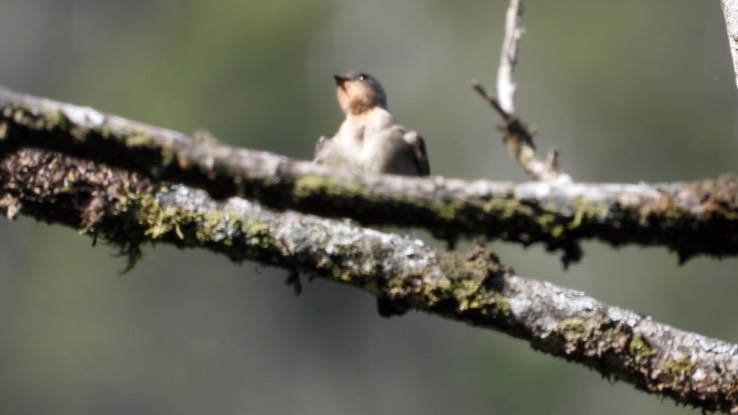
(730, 13)
(129, 211)
(689, 218)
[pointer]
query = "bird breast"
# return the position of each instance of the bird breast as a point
(371, 143)
(385, 151)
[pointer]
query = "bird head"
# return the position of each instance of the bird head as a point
(359, 92)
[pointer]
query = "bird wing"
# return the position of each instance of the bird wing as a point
(420, 156)
(321, 148)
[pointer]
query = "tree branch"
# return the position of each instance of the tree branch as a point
(509, 56)
(689, 218)
(518, 135)
(730, 12)
(128, 211)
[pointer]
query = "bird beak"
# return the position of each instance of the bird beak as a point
(340, 80)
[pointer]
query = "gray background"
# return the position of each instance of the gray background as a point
(627, 91)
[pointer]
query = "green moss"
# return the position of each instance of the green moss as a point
(19, 116)
(551, 224)
(448, 211)
(151, 221)
(640, 348)
(105, 131)
(467, 278)
(586, 212)
(679, 370)
(572, 325)
(48, 120)
(502, 208)
(141, 219)
(54, 119)
(139, 139)
(156, 221)
(308, 186)
(579, 213)
(258, 232)
(464, 287)
(502, 306)
(486, 303)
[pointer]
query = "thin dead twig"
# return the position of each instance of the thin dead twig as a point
(518, 135)
(730, 13)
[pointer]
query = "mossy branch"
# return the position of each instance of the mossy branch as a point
(689, 218)
(129, 211)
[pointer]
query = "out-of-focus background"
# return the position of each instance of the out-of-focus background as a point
(627, 91)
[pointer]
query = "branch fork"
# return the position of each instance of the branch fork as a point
(517, 135)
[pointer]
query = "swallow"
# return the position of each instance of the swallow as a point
(369, 140)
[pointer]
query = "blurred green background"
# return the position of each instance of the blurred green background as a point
(627, 91)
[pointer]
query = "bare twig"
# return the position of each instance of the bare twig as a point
(509, 56)
(129, 212)
(730, 12)
(689, 218)
(517, 135)
(491, 100)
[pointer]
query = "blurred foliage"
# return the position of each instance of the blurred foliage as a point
(627, 91)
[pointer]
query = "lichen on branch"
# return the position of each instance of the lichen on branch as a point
(699, 218)
(129, 212)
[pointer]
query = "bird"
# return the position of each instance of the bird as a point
(370, 140)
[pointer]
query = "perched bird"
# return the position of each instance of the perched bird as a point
(369, 140)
